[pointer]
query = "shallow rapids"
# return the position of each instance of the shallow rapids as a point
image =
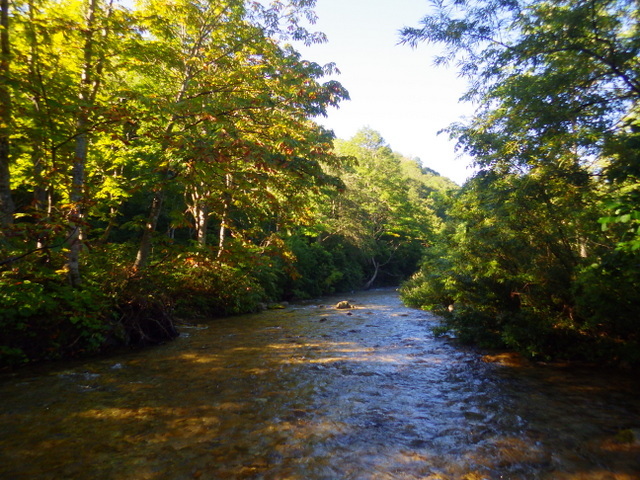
(315, 393)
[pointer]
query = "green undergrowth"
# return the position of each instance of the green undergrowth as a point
(43, 318)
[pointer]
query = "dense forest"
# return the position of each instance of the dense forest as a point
(161, 162)
(541, 250)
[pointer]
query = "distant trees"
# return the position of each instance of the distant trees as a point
(374, 231)
(538, 236)
(389, 208)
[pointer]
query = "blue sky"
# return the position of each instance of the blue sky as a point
(396, 90)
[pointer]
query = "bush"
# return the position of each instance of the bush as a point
(44, 318)
(315, 274)
(608, 296)
(205, 287)
(426, 290)
(475, 326)
(431, 287)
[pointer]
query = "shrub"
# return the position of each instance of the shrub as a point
(44, 318)
(203, 286)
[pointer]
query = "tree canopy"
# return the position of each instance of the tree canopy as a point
(551, 219)
(162, 160)
(127, 133)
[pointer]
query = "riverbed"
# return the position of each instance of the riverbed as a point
(311, 392)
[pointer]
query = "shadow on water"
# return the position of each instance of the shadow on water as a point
(312, 392)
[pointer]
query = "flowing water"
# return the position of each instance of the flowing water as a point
(311, 392)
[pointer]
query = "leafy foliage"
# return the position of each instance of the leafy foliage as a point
(162, 161)
(43, 317)
(541, 253)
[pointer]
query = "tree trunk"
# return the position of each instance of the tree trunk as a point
(582, 247)
(199, 209)
(77, 199)
(222, 233)
(144, 250)
(6, 201)
(202, 222)
(376, 267)
(224, 215)
(76, 196)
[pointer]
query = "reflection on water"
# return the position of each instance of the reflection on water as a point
(310, 393)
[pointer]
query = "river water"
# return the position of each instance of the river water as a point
(315, 393)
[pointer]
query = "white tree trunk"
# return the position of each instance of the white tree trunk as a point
(224, 215)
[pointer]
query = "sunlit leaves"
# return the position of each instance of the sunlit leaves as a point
(539, 70)
(388, 208)
(175, 98)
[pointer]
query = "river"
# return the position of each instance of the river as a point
(311, 392)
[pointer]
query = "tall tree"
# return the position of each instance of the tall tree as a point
(230, 86)
(94, 32)
(6, 200)
(560, 74)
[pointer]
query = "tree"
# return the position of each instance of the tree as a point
(96, 30)
(557, 90)
(6, 200)
(228, 77)
(545, 75)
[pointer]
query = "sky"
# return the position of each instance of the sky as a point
(394, 89)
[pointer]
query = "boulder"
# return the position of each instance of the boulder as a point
(277, 306)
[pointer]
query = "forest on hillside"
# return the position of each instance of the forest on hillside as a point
(161, 162)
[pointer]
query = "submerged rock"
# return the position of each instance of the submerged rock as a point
(277, 306)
